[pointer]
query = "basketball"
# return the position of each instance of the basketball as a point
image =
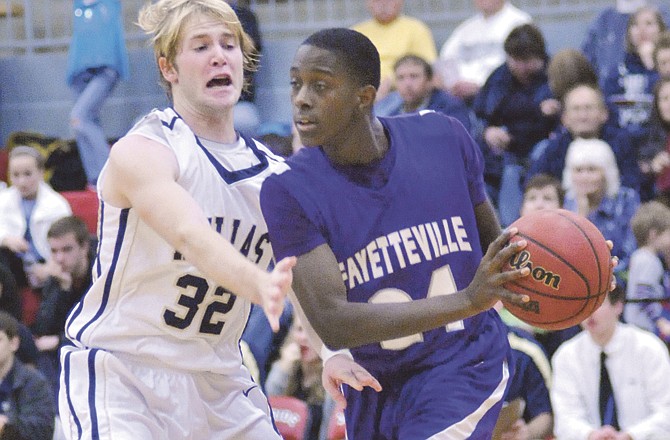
(570, 272)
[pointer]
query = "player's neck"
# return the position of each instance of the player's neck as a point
(359, 147)
(213, 125)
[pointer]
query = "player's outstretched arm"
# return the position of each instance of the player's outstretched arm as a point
(174, 215)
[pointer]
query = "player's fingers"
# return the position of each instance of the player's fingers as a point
(512, 297)
(610, 244)
(506, 253)
(333, 389)
(367, 380)
(500, 242)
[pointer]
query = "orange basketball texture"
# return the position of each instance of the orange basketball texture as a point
(570, 269)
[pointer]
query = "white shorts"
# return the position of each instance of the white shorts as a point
(103, 396)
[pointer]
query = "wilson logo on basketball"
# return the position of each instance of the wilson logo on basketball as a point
(538, 273)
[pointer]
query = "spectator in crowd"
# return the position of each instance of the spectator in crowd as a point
(475, 47)
(70, 276)
(27, 210)
(542, 191)
(394, 35)
(26, 403)
(247, 118)
(297, 373)
(604, 41)
(531, 383)
(510, 105)
(655, 150)
(629, 85)
(632, 361)
(260, 345)
(593, 189)
(97, 60)
(414, 85)
(10, 302)
(648, 278)
(662, 55)
(567, 69)
(585, 116)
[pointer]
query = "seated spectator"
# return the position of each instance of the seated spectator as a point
(542, 191)
(475, 47)
(510, 108)
(585, 116)
(10, 299)
(26, 403)
(414, 85)
(394, 35)
(70, 275)
(531, 382)
(604, 41)
(27, 210)
(297, 373)
(567, 69)
(246, 116)
(630, 83)
(648, 277)
(593, 189)
(655, 150)
(662, 55)
(633, 362)
(260, 345)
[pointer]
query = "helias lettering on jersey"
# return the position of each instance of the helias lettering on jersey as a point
(409, 246)
(251, 242)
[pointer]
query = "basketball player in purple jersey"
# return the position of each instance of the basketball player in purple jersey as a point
(388, 218)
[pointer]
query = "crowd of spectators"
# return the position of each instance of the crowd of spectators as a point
(585, 129)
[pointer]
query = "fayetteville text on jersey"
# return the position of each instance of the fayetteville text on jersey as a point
(410, 245)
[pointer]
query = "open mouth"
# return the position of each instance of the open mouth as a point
(220, 81)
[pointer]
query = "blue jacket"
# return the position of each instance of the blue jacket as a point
(97, 38)
(551, 157)
(445, 103)
(504, 102)
(29, 407)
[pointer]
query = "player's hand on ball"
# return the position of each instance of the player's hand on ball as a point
(273, 292)
(614, 263)
(486, 286)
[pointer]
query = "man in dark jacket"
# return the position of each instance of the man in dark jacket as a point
(26, 404)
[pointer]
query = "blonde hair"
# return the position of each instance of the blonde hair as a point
(593, 152)
(164, 21)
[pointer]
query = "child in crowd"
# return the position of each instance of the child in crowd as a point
(654, 155)
(648, 276)
(629, 85)
(662, 55)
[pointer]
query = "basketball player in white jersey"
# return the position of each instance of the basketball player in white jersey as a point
(156, 339)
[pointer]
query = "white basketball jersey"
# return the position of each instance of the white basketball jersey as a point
(146, 300)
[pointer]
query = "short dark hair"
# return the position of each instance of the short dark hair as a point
(618, 295)
(415, 59)
(525, 42)
(543, 180)
(9, 325)
(71, 224)
(356, 52)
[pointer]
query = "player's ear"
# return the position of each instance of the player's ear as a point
(366, 96)
(167, 69)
